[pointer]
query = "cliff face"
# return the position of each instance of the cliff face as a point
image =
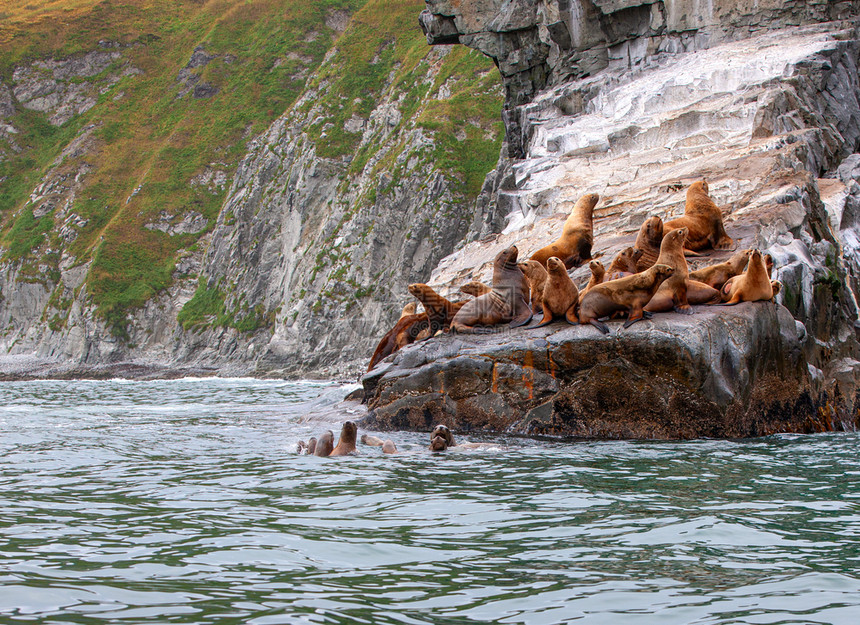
(148, 219)
(635, 101)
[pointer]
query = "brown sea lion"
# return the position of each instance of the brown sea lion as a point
(624, 263)
(672, 254)
(577, 235)
(648, 241)
(697, 293)
(754, 285)
(717, 275)
(409, 309)
(346, 442)
(777, 287)
(704, 220)
(475, 288)
(369, 439)
(625, 294)
(325, 444)
(505, 303)
(388, 447)
(537, 275)
(598, 272)
(560, 295)
(726, 289)
(440, 311)
(441, 438)
(407, 330)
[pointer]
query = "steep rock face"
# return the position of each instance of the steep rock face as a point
(756, 98)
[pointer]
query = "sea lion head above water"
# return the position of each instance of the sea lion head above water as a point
(444, 432)
(346, 442)
(325, 444)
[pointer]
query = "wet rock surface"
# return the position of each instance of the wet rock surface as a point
(728, 372)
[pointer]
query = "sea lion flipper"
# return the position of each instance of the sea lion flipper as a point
(571, 317)
(691, 253)
(547, 319)
(522, 319)
(630, 322)
(684, 310)
(647, 314)
(600, 325)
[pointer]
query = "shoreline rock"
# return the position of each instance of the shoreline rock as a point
(727, 372)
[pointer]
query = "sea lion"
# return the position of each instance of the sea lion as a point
(631, 294)
(648, 241)
(325, 444)
(537, 277)
(704, 220)
(717, 275)
(560, 295)
(444, 432)
(777, 287)
(598, 272)
(440, 311)
(726, 289)
(438, 443)
(697, 293)
(369, 439)
(624, 263)
(505, 303)
(754, 285)
(672, 254)
(577, 235)
(388, 447)
(475, 288)
(409, 309)
(407, 330)
(346, 442)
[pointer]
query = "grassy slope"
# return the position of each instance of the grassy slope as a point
(155, 141)
(150, 138)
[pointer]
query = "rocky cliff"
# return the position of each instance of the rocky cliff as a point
(634, 101)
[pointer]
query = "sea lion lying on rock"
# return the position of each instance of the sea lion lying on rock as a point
(577, 235)
(407, 330)
(717, 275)
(409, 309)
(704, 220)
(440, 311)
(625, 294)
(475, 288)
(506, 303)
(624, 263)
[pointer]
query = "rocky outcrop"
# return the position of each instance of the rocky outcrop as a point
(635, 101)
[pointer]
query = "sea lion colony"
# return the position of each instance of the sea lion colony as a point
(650, 277)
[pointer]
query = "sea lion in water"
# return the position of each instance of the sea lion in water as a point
(505, 303)
(717, 275)
(598, 272)
(754, 285)
(703, 219)
(624, 263)
(475, 288)
(409, 309)
(672, 254)
(307, 448)
(346, 442)
(373, 441)
(388, 447)
(648, 241)
(560, 295)
(325, 444)
(537, 276)
(625, 294)
(445, 432)
(577, 235)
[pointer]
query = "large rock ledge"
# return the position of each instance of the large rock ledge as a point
(727, 372)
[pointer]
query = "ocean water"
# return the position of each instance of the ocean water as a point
(184, 502)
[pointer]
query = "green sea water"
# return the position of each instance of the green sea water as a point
(184, 502)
